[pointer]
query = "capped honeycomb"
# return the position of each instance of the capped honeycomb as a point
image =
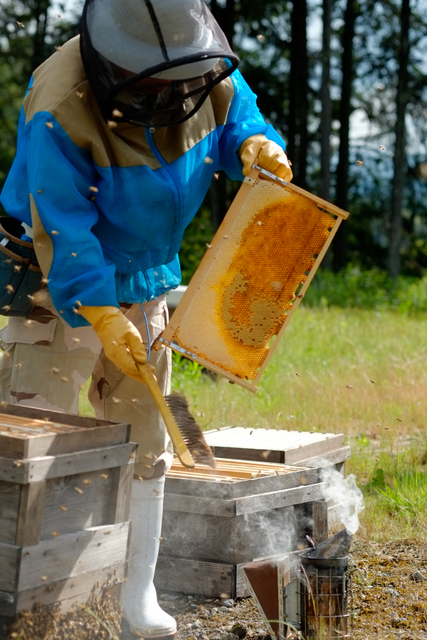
(242, 292)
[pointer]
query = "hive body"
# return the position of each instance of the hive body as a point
(65, 485)
(216, 521)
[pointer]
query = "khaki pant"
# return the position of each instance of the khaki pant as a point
(46, 362)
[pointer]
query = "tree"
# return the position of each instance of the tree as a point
(367, 62)
(362, 52)
(345, 109)
(298, 93)
(402, 100)
(30, 31)
(325, 98)
(391, 89)
(218, 192)
(259, 32)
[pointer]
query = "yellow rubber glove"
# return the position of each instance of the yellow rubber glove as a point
(266, 154)
(120, 338)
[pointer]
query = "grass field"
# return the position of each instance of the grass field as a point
(361, 373)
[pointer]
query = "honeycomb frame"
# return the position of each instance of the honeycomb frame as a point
(252, 278)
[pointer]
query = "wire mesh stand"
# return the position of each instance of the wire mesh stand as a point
(325, 595)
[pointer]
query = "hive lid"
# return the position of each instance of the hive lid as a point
(252, 277)
(272, 445)
(26, 432)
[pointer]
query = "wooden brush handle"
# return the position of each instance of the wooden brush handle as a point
(178, 443)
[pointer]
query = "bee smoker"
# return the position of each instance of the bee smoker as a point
(304, 593)
(324, 598)
(324, 589)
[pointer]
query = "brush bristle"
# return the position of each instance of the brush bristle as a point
(190, 430)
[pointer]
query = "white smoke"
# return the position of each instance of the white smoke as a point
(270, 532)
(344, 495)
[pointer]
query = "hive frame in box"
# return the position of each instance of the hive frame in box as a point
(215, 291)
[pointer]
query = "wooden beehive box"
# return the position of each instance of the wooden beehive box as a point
(65, 485)
(302, 448)
(216, 521)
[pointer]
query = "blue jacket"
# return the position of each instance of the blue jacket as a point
(109, 206)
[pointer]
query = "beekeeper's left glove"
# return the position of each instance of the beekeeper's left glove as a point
(266, 154)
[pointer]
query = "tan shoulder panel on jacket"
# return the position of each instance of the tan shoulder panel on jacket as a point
(173, 142)
(61, 88)
(221, 96)
(60, 74)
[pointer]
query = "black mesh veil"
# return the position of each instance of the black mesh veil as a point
(153, 62)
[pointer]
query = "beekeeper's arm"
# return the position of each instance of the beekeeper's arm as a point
(81, 279)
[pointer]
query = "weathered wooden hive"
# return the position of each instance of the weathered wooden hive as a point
(303, 448)
(300, 448)
(262, 500)
(65, 485)
(216, 521)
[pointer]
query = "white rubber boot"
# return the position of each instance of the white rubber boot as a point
(139, 599)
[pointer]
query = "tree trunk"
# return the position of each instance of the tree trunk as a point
(326, 115)
(347, 65)
(399, 152)
(298, 92)
(41, 8)
(225, 16)
(325, 96)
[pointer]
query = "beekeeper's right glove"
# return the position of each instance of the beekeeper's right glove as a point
(120, 338)
(257, 149)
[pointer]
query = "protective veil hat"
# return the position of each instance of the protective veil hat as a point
(127, 43)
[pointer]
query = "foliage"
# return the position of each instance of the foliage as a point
(371, 289)
(186, 368)
(197, 235)
(399, 483)
(262, 35)
(357, 372)
(30, 31)
(407, 494)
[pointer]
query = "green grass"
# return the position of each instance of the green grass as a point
(352, 371)
(361, 373)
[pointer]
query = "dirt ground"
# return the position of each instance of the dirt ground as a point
(389, 601)
(389, 585)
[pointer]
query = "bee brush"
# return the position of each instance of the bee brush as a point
(190, 430)
(186, 435)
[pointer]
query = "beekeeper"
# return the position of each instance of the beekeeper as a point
(120, 134)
